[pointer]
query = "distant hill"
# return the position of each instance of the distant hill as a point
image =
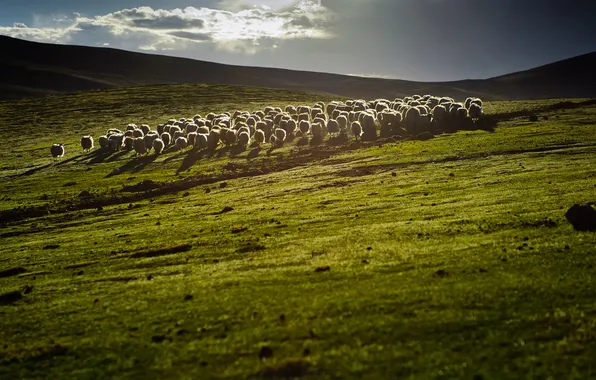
(33, 69)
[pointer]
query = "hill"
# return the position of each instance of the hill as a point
(31, 68)
(446, 258)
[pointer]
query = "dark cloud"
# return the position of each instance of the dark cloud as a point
(191, 35)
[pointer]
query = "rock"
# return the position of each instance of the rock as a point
(582, 217)
(441, 273)
(84, 194)
(266, 352)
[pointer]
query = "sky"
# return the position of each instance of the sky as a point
(421, 40)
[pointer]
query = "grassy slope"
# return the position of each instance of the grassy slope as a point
(448, 258)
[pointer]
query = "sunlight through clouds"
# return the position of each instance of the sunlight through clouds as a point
(248, 29)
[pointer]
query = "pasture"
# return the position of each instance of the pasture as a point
(439, 259)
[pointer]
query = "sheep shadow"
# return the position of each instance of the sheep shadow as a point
(191, 158)
(223, 151)
(116, 157)
(32, 171)
(135, 165)
(254, 153)
(99, 156)
(171, 158)
(236, 150)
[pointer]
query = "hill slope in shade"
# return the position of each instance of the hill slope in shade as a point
(31, 68)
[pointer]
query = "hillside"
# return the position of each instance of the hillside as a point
(30, 68)
(447, 258)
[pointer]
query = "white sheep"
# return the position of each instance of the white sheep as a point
(87, 143)
(57, 151)
(280, 136)
(158, 146)
(115, 142)
(202, 141)
(103, 142)
(192, 139)
(136, 133)
(260, 136)
(181, 143)
(333, 126)
(128, 143)
(139, 146)
(356, 129)
(243, 138)
(213, 139)
(145, 128)
(475, 111)
(166, 138)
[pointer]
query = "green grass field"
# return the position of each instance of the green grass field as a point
(443, 259)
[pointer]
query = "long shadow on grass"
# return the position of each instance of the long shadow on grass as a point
(254, 153)
(98, 156)
(135, 165)
(191, 158)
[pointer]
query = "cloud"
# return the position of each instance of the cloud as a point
(244, 28)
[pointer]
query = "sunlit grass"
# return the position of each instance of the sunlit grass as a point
(449, 258)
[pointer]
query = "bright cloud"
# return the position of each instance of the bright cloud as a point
(242, 30)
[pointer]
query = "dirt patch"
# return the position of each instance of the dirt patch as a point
(251, 247)
(10, 298)
(287, 369)
(12, 272)
(146, 253)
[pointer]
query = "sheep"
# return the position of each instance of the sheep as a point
(131, 127)
(87, 143)
(113, 131)
(304, 126)
(128, 133)
(356, 129)
(192, 127)
(201, 141)
(178, 134)
(145, 128)
(243, 139)
(166, 138)
(139, 146)
(369, 128)
(57, 151)
(317, 130)
(181, 143)
(149, 138)
(158, 146)
(137, 133)
(213, 139)
(343, 123)
(439, 113)
(333, 126)
(160, 129)
(128, 143)
(259, 136)
(192, 139)
(115, 142)
(280, 136)
(228, 136)
(103, 142)
(475, 111)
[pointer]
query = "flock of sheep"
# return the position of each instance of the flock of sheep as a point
(366, 120)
